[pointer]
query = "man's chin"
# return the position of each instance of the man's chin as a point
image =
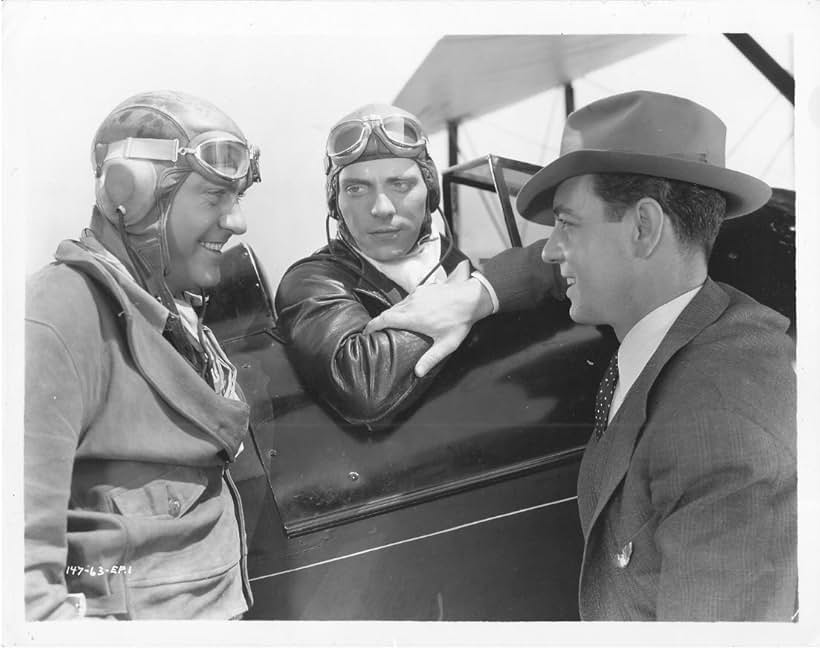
(387, 254)
(209, 280)
(577, 314)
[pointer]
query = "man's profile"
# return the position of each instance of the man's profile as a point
(687, 487)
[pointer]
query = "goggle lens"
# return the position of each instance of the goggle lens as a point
(402, 131)
(346, 136)
(227, 158)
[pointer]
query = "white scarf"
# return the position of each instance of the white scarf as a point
(409, 270)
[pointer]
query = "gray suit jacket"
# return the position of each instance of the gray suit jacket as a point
(688, 500)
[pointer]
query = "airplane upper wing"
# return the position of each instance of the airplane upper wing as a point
(468, 76)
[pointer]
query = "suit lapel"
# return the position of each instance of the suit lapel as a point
(612, 454)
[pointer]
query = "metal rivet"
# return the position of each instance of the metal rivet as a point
(246, 365)
(174, 507)
(733, 256)
(353, 475)
(272, 452)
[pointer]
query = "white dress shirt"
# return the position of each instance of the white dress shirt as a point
(641, 342)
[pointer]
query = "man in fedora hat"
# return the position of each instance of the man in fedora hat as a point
(687, 487)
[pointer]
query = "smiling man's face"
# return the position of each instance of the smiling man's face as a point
(202, 219)
(383, 203)
(594, 254)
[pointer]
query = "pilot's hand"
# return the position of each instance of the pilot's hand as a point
(445, 312)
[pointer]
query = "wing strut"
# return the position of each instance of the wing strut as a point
(765, 63)
(569, 98)
(450, 193)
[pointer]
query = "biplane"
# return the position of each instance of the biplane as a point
(465, 508)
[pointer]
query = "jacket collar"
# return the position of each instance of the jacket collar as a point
(704, 309)
(173, 379)
(111, 259)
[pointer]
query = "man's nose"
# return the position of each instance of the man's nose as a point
(383, 207)
(234, 220)
(552, 253)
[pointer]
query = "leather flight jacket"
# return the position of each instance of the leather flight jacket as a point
(323, 304)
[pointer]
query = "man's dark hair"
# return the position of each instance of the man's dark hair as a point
(696, 211)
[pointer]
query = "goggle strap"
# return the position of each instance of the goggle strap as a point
(169, 150)
(148, 148)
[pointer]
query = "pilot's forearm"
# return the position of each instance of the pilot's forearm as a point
(371, 378)
(521, 279)
(365, 378)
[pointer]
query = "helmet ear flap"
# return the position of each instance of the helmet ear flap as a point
(430, 176)
(433, 198)
(332, 194)
(128, 183)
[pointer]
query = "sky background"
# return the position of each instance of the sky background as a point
(286, 71)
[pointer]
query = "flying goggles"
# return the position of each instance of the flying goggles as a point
(401, 135)
(217, 155)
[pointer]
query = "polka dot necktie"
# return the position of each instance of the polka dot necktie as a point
(603, 400)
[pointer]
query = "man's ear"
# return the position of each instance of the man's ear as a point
(649, 223)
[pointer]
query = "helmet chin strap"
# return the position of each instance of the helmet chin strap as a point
(137, 263)
(151, 261)
(150, 278)
(157, 251)
(168, 184)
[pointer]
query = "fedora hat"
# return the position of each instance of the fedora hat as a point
(642, 132)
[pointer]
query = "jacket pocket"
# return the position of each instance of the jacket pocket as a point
(171, 495)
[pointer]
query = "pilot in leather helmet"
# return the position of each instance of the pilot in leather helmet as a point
(132, 412)
(382, 190)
